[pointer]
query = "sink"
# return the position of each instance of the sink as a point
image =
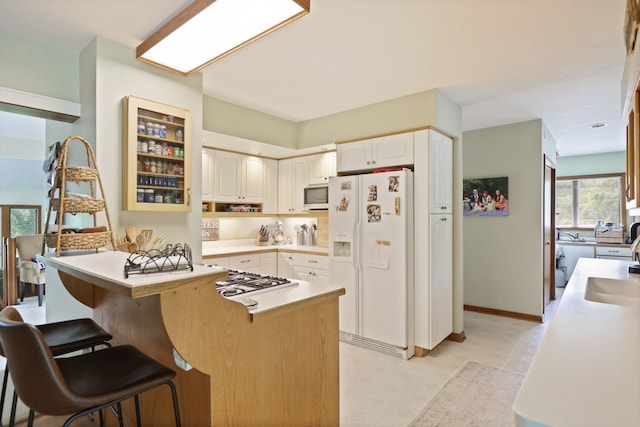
(613, 291)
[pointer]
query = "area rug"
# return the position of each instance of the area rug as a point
(477, 395)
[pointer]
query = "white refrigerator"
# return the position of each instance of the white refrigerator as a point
(371, 256)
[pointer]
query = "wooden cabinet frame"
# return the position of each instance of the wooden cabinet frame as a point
(173, 182)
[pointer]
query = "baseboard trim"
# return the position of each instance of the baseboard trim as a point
(457, 337)
(503, 313)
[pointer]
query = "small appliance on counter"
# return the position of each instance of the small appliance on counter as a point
(608, 232)
(278, 234)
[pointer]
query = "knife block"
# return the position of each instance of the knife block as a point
(262, 240)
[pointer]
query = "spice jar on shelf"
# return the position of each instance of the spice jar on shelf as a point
(179, 135)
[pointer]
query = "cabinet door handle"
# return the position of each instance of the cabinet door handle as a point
(245, 260)
(373, 162)
(368, 162)
(188, 196)
(443, 207)
(443, 219)
(312, 261)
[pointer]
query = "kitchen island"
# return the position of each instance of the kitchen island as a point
(273, 364)
(586, 371)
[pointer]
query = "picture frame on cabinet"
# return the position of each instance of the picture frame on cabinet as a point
(486, 196)
(631, 24)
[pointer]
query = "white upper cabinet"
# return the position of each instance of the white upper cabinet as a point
(270, 186)
(292, 178)
(384, 151)
(238, 178)
(321, 167)
(207, 174)
(441, 179)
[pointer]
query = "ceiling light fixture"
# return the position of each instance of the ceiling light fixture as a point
(207, 30)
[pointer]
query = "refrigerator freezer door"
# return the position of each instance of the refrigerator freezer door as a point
(343, 247)
(385, 275)
(343, 218)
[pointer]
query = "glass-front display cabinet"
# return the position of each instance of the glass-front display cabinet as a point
(156, 156)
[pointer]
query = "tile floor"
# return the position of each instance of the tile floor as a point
(378, 390)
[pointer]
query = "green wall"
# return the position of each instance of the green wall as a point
(592, 164)
(503, 255)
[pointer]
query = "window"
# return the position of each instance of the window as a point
(581, 200)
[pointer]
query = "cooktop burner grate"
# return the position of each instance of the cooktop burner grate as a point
(243, 282)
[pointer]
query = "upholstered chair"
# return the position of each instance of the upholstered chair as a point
(31, 270)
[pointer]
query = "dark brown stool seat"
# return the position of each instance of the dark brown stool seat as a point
(80, 384)
(62, 338)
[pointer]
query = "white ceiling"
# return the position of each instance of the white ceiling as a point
(503, 61)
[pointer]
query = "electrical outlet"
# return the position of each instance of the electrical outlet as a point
(180, 362)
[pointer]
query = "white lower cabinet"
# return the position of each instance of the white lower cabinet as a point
(222, 261)
(250, 263)
(311, 268)
(285, 264)
(608, 252)
(269, 264)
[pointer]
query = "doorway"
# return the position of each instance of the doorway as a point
(15, 220)
(549, 226)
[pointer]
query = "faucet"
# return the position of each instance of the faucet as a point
(575, 236)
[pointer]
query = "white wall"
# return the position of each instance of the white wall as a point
(503, 255)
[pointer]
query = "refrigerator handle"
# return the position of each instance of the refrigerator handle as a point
(355, 245)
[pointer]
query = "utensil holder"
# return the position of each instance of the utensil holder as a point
(303, 238)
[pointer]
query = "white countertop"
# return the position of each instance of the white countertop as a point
(586, 371)
(106, 269)
(242, 246)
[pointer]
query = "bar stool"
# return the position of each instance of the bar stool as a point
(80, 384)
(62, 338)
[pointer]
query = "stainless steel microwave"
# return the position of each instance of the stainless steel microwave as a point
(316, 196)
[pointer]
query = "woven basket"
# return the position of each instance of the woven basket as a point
(79, 205)
(80, 173)
(79, 241)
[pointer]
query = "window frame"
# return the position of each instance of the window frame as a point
(623, 200)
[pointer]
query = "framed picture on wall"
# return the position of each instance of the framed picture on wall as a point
(486, 196)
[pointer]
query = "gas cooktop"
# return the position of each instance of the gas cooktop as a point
(243, 282)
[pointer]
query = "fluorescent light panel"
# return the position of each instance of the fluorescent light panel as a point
(207, 30)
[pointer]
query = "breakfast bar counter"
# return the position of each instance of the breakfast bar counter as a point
(272, 364)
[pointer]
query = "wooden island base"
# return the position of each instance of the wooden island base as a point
(278, 367)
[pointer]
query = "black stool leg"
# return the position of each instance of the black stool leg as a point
(14, 406)
(4, 391)
(174, 395)
(31, 415)
(137, 402)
